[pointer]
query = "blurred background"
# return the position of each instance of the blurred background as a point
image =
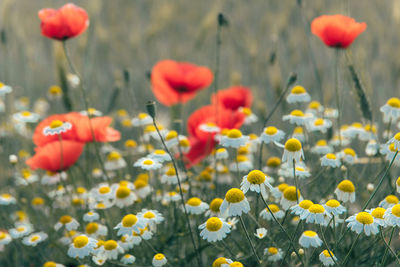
(264, 41)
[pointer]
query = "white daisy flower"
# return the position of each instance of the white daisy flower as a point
(147, 164)
(319, 124)
(257, 182)
(330, 160)
(94, 230)
(5, 238)
(102, 192)
(334, 207)
(348, 155)
(310, 239)
(244, 164)
(234, 138)
(235, 203)
(221, 153)
(314, 108)
(20, 230)
(370, 132)
(301, 209)
(160, 156)
(26, 117)
(298, 95)
(52, 264)
(68, 222)
(112, 249)
(57, 127)
(261, 233)
(151, 217)
(372, 148)
(290, 198)
(249, 116)
(326, 258)
(322, 148)
(389, 201)
(298, 117)
(159, 260)
(90, 216)
(194, 205)
(277, 212)
(293, 151)
(114, 161)
(317, 214)
(82, 246)
(273, 253)
(34, 239)
(396, 141)
(142, 119)
(214, 229)
(5, 89)
(7, 199)
(391, 110)
(51, 178)
(123, 196)
(128, 259)
(378, 214)
(272, 134)
(345, 191)
(362, 222)
(398, 185)
(130, 223)
(171, 196)
(392, 215)
(298, 133)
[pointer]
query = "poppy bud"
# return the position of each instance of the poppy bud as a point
(151, 108)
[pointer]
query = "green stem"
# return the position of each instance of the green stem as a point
(249, 240)
(326, 245)
(387, 246)
(350, 250)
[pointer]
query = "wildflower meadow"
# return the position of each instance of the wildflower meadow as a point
(199, 133)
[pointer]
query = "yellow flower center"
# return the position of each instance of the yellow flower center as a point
(397, 136)
(218, 262)
(149, 215)
(326, 253)
(282, 187)
(20, 229)
(129, 220)
(322, 143)
(392, 199)
(234, 133)
(364, 218)
(298, 90)
(50, 264)
(332, 203)
(140, 184)
(310, 233)
(80, 241)
(130, 143)
(65, 219)
(246, 111)
(256, 177)
(2, 235)
(194, 201)
(236, 264)
(293, 145)
(148, 162)
(55, 90)
(216, 204)
(305, 204)
(171, 135)
(319, 122)
(290, 193)
(110, 245)
(346, 186)
(234, 195)
(273, 162)
(316, 208)
(394, 102)
(271, 130)
(55, 124)
(35, 238)
(92, 228)
(274, 208)
(213, 224)
(159, 152)
(349, 151)
(378, 213)
(241, 158)
(272, 250)
(330, 156)
(314, 105)
(170, 172)
(396, 210)
(113, 156)
(123, 192)
(159, 256)
(25, 113)
(298, 130)
(398, 181)
(184, 143)
(297, 113)
(104, 190)
(391, 147)
(37, 201)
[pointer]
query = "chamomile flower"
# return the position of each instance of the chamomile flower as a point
(261, 233)
(130, 223)
(298, 133)
(319, 124)
(272, 134)
(389, 201)
(5, 238)
(26, 117)
(317, 214)
(310, 239)
(314, 108)
(172, 139)
(256, 181)
(273, 253)
(194, 205)
(378, 214)
(290, 197)
(250, 117)
(123, 196)
(214, 229)
(276, 211)
(171, 196)
(90, 216)
(142, 119)
(5, 89)
(7, 199)
(348, 155)
(345, 191)
(234, 138)
(235, 203)
(326, 258)
(392, 215)
(278, 191)
(370, 131)
(82, 246)
(27, 177)
(151, 217)
(231, 263)
(52, 264)
(298, 95)
(322, 147)
(20, 230)
(94, 229)
(114, 161)
(209, 127)
(301, 209)
(389, 151)
(396, 141)
(50, 178)
(298, 117)
(301, 172)
(102, 192)
(244, 164)
(363, 222)
(68, 222)
(391, 110)
(147, 164)
(220, 261)
(330, 160)
(334, 207)
(221, 153)
(159, 260)
(111, 249)
(160, 155)
(372, 148)
(57, 127)
(293, 151)
(398, 185)
(142, 188)
(128, 259)
(34, 239)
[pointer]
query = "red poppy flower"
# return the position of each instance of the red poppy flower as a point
(233, 98)
(66, 22)
(177, 82)
(49, 158)
(337, 30)
(198, 150)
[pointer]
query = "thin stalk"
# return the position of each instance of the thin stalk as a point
(249, 240)
(387, 246)
(350, 250)
(337, 93)
(199, 261)
(326, 245)
(296, 182)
